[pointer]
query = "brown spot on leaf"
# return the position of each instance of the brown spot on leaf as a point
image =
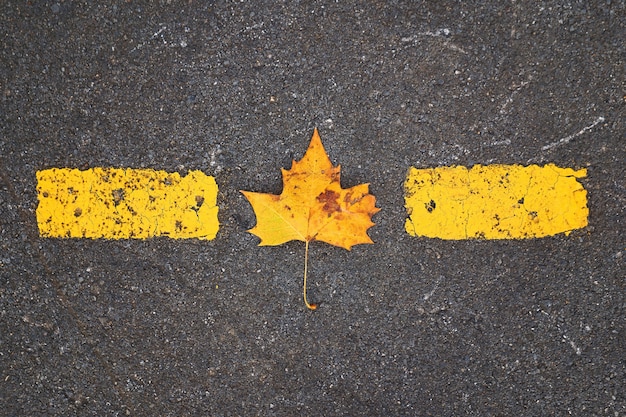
(351, 200)
(78, 212)
(329, 199)
(430, 206)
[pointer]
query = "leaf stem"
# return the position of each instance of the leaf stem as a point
(306, 259)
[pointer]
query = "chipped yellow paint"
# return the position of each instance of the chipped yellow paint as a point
(495, 201)
(113, 203)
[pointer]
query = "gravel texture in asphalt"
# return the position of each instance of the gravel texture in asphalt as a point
(408, 326)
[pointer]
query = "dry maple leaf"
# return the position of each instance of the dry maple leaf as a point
(313, 206)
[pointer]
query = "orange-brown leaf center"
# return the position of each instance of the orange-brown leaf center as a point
(329, 199)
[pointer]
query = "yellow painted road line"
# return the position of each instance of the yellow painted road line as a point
(113, 203)
(495, 202)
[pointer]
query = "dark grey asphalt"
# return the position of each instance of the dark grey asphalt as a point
(408, 326)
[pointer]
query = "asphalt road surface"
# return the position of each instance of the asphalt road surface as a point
(409, 326)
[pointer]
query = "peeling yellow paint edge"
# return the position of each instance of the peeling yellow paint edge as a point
(118, 203)
(494, 201)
